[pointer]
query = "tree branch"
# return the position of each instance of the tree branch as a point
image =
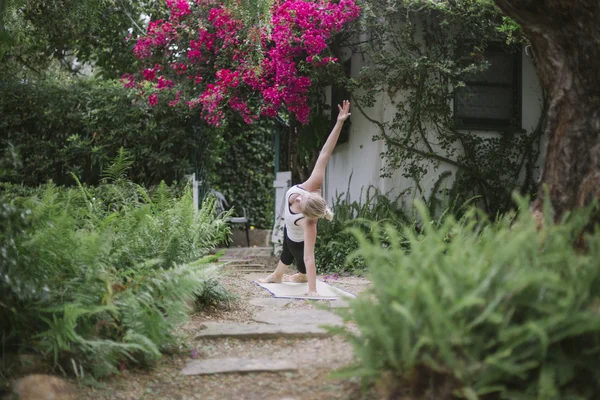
(396, 143)
(142, 31)
(532, 13)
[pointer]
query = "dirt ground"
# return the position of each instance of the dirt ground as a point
(317, 358)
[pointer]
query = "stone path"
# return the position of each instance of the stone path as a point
(270, 323)
(245, 253)
(257, 347)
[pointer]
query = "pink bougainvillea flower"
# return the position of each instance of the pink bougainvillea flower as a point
(179, 8)
(173, 103)
(231, 66)
(128, 81)
(164, 83)
(153, 99)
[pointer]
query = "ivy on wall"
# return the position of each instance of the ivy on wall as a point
(245, 170)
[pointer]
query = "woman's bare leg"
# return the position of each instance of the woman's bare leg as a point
(277, 275)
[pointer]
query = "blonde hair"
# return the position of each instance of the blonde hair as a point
(314, 206)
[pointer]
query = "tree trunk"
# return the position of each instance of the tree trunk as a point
(565, 36)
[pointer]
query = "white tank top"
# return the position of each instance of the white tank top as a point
(294, 231)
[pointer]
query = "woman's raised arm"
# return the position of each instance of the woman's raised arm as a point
(317, 176)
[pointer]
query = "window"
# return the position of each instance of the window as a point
(338, 95)
(492, 98)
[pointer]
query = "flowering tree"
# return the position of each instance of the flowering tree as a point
(206, 55)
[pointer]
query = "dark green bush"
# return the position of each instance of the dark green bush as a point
(481, 310)
(79, 126)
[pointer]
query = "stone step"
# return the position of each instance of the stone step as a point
(298, 317)
(259, 331)
(246, 266)
(246, 252)
(262, 271)
(237, 365)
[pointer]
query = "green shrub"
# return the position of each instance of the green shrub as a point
(78, 126)
(481, 310)
(335, 242)
(98, 277)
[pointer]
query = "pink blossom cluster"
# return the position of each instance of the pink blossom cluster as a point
(251, 70)
(160, 34)
(226, 25)
(179, 8)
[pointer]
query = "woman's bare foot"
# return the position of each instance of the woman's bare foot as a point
(273, 278)
(296, 278)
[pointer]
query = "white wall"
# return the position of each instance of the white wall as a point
(361, 157)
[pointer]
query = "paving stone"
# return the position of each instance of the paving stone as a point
(259, 331)
(270, 302)
(262, 272)
(236, 365)
(298, 317)
(246, 252)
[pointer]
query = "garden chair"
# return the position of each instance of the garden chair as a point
(223, 206)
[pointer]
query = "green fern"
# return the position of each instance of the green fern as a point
(117, 171)
(110, 272)
(494, 309)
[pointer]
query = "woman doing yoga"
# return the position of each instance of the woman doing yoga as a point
(303, 209)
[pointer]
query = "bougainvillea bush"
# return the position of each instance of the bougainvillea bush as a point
(206, 55)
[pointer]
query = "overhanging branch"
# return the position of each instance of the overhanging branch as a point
(396, 143)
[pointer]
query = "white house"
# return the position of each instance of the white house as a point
(360, 156)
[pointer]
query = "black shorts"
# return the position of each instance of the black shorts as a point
(293, 251)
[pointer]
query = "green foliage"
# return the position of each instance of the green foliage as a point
(481, 310)
(94, 278)
(245, 170)
(336, 245)
(213, 293)
(36, 34)
(421, 52)
(79, 126)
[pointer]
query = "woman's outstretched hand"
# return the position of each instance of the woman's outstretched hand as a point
(344, 111)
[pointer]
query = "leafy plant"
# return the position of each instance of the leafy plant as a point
(480, 310)
(99, 131)
(335, 244)
(79, 126)
(96, 278)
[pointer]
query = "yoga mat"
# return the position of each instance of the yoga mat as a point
(290, 290)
